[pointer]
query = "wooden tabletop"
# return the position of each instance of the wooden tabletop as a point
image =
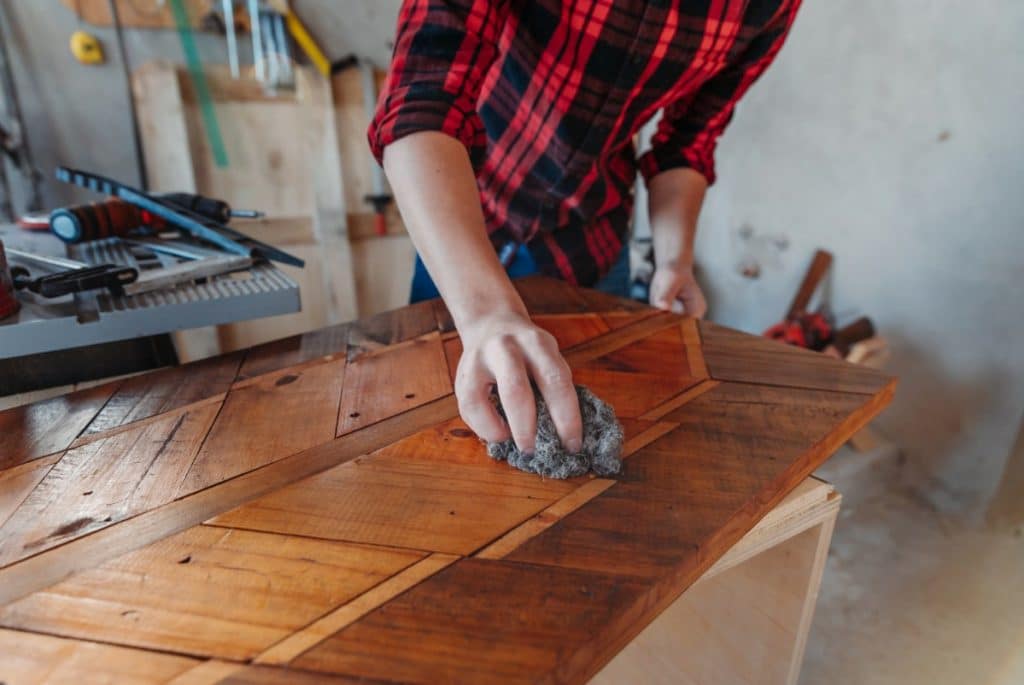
(313, 509)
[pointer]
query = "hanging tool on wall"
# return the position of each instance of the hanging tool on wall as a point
(195, 70)
(379, 198)
(307, 43)
(196, 225)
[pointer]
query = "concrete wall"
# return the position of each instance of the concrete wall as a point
(889, 133)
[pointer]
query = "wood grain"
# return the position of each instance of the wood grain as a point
(45, 569)
(392, 381)
(298, 642)
(32, 659)
(391, 327)
(434, 491)
(481, 621)
(282, 414)
(734, 356)
(693, 492)
(571, 329)
(208, 592)
(35, 430)
(87, 489)
(297, 349)
(545, 295)
(150, 394)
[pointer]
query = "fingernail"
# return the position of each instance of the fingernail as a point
(529, 454)
(574, 446)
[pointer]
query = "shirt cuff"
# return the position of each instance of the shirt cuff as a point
(410, 110)
(662, 158)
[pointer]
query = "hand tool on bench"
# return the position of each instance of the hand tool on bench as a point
(115, 217)
(196, 225)
(74, 276)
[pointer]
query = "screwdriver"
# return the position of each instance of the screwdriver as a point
(115, 217)
(211, 208)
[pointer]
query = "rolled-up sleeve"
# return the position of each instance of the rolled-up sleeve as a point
(688, 131)
(443, 50)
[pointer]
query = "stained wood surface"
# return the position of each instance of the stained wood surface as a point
(314, 506)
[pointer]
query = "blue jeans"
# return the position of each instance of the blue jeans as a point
(615, 282)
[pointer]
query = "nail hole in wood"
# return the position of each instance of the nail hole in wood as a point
(185, 560)
(87, 493)
(410, 395)
(354, 415)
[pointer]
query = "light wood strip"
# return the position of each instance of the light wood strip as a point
(303, 640)
(87, 438)
(545, 519)
(207, 673)
(679, 400)
(45, 569)
(692, 343)
(646, 437)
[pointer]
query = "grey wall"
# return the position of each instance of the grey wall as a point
(889, 133)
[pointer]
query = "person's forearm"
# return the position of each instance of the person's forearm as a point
(674, 201)
(436, 192)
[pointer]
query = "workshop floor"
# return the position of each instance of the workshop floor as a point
(912, 594)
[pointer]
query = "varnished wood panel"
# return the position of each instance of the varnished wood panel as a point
(87, 489)
(351, 558)
(392, 381)
(149, 394)
(483, 621)
(208, 592)
(281, 414)
(32, 659)
(42, 428)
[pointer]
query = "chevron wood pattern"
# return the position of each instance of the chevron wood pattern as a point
(312, 510)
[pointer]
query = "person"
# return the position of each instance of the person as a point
(506, 129)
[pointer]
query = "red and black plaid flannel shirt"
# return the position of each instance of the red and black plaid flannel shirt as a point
(547, 95)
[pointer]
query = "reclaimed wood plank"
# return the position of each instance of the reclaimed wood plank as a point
(36, 430)
(391, 327)
(483, 621)
(105, 481)
(546, 295)
(632, 395)
(42, 570)
(688, 496)
(299, 642)
(571, 329)
(32, 659)
(208, 592)
(325, 343)
(283, 413)
(270, 675)
(18, 481)
(734, 356)
(393, 381)
(435, 490)
(149, 394)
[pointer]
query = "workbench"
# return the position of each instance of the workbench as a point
(312, 510)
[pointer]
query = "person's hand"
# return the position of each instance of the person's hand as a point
(674, 289)
(507, 350)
